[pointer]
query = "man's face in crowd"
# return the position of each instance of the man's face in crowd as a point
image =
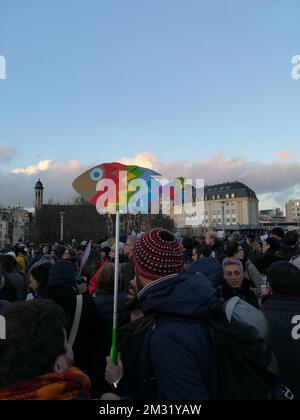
(195, 255)
(132, 298)
(209, 240)
(128, 249)
(139, 284)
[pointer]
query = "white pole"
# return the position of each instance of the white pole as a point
(116, 286)
(62, 213)
(113, 351)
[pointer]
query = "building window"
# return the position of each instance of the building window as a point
(233, 195)
(218, 197)
(213, 197)
(227, 196)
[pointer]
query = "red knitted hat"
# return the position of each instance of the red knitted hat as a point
(157, 253)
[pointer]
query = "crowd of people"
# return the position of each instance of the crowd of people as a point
(59, 313)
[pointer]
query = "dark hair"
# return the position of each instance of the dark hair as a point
(278, 231)
(291, 238)
(232, 248)
(105, 278)
(58, 251)
(9, 263)
(202, 250)
(284, 278)
(188, 242)
(76, 262)
(7, 289)
(274, 244)
(106, 250)
(41, 275)
(71, 251)
(34, 339)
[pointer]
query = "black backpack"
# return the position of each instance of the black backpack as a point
(246, 368)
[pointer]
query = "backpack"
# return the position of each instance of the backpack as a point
(246, 368)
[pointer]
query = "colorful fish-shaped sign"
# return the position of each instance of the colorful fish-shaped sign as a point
(111, 186)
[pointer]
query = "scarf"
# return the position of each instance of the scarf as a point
(71, 384)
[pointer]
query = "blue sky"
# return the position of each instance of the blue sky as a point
(99, 80)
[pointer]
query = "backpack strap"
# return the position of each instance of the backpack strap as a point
(230, 307)
(76, 320)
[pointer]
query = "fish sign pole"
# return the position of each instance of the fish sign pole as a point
(113, 351)
(108, 182)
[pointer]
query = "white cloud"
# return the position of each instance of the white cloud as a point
(285, 154)
(43, 165)
(144, 159)
(57, 177)
(274, 182)
(280, 179)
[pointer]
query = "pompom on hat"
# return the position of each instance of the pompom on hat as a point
(157, 253)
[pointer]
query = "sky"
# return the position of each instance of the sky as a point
(200, 88)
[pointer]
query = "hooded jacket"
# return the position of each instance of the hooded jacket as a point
(210, 267)
(181, 351)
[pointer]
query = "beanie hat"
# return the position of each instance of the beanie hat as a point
(157, 253)
(63, 272)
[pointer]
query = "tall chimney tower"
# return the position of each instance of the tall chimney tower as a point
(38, 195)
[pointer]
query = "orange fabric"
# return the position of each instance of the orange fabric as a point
(51, 386)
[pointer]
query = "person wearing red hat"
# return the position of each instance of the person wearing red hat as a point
(174, 361)
(180, 349)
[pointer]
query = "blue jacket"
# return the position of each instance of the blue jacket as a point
(210, 267)
(181, 352)
(104, 300)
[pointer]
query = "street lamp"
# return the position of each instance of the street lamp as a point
(62, 213)
(223, 214)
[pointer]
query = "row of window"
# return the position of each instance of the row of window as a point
(220, 219)
(218, 196)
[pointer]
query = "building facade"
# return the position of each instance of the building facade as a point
(14, 225)
(272, 216)
(292, 209)
(228, 205)
(4, 229)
